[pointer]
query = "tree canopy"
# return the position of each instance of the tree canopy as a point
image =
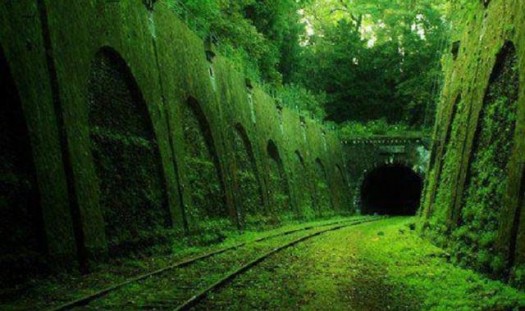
(340, 60)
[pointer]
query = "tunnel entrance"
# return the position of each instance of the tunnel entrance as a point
(391, 190)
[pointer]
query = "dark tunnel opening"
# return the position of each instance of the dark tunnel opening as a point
(391, 190)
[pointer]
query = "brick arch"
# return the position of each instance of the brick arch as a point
(323, 190)
(126, 155)
(203, 168)
(278, 180)
(21, 226)
(250, 199)
(306, 193)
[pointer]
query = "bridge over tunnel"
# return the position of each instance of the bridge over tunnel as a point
(391, 190)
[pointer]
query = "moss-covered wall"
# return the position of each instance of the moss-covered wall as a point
(474, 193)
(101, 81)
(24, 51)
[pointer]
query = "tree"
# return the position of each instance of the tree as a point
(374, 58)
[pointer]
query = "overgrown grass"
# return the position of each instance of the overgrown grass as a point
(425, 271)
(377, 266)
(45, 292)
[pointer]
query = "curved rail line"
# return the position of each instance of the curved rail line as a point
(195, 300)
(184, 263)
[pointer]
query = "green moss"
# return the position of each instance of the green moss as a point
(126, 157)
(207, 194)
(280, 198)
(249, 198)
(323, 196)
(20, 225)
(488, 172)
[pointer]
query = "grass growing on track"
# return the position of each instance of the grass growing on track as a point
(55, 290)
(376, 266)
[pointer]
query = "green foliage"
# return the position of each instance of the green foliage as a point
(261, 37)
(127, 159)
(298, 98)
(376, 127)
(477, 219)
(430, 275)
(280, 199)
(202, 167)
(323, 196)
(306, 195)
(249, 199)
(336, 60)
(488, 184)
(518, 276)
(451, 158)
(374, 59)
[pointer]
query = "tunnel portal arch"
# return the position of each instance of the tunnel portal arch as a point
(391, 189)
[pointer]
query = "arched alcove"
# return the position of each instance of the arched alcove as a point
(278, 186)
(448, 129)
(392, 189)
(21, 230)
(339, 195)
(493, 144)
(203, 168)
(324, 197)
(126, 156)
(249, 195)
(305, 188)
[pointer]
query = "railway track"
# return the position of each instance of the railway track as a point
(184, 284)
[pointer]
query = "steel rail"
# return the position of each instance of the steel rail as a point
(196, 299)
(184, 263)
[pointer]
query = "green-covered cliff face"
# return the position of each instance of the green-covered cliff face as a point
(475, 190)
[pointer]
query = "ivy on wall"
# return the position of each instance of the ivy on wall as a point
(487, 177)
(448, 174)
(470, 229)
(307, 194)
(278, 186)
(250, 197)
(207, 209)
(324, 201)
(126, 156)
